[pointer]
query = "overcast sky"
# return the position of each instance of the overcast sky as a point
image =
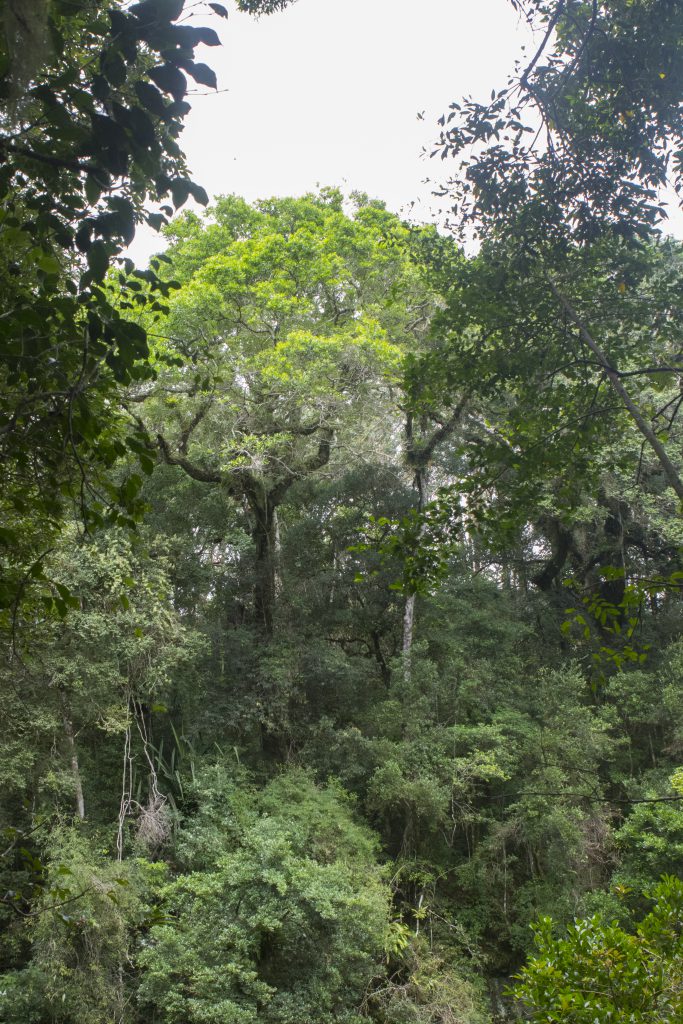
(328, 91)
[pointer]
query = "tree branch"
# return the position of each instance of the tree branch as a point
(524, 80)
(205, 476)
(614, 378)
(44, 158)
(191, 426)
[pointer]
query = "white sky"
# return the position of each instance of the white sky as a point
(327, 92)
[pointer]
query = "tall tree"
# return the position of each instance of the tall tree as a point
(606, 86)
(571, 305)
(294, 315)
(92, 102)
(605, 83)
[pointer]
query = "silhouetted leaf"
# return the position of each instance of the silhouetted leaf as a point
(170, 79)
(203, 74)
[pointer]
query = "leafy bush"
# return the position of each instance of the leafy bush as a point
(288, 922)
(81, 930)
(602, 972)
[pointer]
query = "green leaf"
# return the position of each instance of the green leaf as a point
(158, 10)
(207, 36)
(170, 79)
(49, 264)
(180, 190)
(93, 189)
(8, 537)
(203, 74)
(150, 98)
(199, 194)
(113, 68)
(98, 260)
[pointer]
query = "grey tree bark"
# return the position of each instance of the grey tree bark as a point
(73, 754)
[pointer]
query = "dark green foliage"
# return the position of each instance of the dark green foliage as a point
(81, 936)
(287, 920)
(393, 664)
(92, 102)
(347, 815)
(562, 180)
(83, 157)
(605, 82)
(600, 971)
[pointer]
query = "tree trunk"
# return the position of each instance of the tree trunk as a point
(71, 743)
(420, 484)
(408, 621)
(380, 659)
(277, 554)
(264, 535)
